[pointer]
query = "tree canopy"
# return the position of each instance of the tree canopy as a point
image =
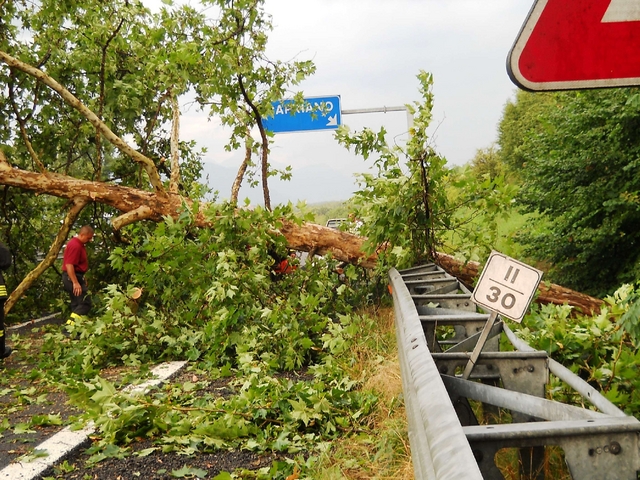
(578, 155)
(90, 99)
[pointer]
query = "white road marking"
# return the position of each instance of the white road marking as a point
(66, 441)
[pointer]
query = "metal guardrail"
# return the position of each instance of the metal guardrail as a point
(439, 447)
(447, 441)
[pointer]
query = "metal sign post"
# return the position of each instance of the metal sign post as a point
(480, 345)
(506, 287)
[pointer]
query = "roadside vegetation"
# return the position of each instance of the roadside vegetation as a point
(307, 358)
(558, 190)
(298, 369)
(323, 211)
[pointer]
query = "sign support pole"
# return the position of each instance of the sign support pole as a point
(480, 345)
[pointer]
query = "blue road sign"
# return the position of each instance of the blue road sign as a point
(317, 113)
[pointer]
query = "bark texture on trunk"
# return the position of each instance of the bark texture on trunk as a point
(344, 246)
(140, 204)
(468, 272)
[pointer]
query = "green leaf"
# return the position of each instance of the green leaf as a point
(106, 392)
(223, 476)
(34, 455)
(146, 452)
(189, 472)
(21, 428)
(44, 420)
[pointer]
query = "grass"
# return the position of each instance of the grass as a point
(484, 238)
(508, 461)
(380, 451)
(384, 453)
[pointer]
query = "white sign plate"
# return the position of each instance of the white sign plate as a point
(506, 286)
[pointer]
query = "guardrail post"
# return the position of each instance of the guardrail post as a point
(598, 445)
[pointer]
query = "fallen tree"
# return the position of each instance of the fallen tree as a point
(137, 205)
(468, 272)
(28, 84)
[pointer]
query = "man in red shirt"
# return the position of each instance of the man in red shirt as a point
(74, 266)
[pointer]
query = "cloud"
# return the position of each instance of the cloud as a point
(313, 184)
(369, 52)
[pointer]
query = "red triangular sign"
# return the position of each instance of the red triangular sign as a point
(570, 44)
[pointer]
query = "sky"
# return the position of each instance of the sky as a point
(369, 52)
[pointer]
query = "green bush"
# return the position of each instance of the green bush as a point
(601, 349)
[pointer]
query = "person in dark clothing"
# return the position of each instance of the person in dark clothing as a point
(5, 262)
(74, 266)
(281, 265)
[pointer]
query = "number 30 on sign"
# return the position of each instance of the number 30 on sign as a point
(506, 286)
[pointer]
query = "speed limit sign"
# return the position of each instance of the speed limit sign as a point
(506, 286)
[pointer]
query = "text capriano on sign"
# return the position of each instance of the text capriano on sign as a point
(316, 113)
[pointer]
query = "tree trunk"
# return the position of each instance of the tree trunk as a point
(468, 272)
(139, 205)
(175, 146)
(344, 246)
(237, 183)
